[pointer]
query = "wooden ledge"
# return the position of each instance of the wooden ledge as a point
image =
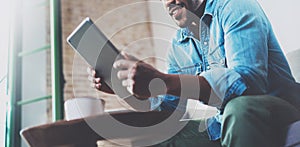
(79, 133)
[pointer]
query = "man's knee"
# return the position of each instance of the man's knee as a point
(248, 108)
(262, 105)
(243, 118)
(247, 119)
(238, 106)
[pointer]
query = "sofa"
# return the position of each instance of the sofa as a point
(293, 135)
(78, 133)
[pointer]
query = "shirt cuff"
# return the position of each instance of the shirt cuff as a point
(225, 83)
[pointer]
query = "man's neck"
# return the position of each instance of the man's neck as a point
(194, 27)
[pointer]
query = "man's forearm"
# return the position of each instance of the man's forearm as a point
(187, 86)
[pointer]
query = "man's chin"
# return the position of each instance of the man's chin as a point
(181, 24)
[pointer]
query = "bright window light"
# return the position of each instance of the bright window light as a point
(4, 39)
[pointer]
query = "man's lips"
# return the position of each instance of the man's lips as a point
(173, 10)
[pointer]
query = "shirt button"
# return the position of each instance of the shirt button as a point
(208, 67)
(222, 61)
(205, 43)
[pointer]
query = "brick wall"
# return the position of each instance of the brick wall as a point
(117, 24)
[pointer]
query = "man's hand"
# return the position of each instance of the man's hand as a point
(96, 82)
(137, 76)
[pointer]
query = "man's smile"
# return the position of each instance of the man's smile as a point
(176, 10)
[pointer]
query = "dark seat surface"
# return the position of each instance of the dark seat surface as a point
(293, 135)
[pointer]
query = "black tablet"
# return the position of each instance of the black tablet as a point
(92, 45)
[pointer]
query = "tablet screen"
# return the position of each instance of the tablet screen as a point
(92, 45)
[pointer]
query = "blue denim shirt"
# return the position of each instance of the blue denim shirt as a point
(237, 53)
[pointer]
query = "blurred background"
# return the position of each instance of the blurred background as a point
(39, 70)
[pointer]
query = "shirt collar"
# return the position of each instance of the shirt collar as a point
(209, 7)
(185, 33)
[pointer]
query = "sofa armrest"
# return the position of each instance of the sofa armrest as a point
(293, 135)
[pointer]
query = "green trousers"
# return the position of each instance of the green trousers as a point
(248, 121)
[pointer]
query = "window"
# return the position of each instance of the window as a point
(4, 37)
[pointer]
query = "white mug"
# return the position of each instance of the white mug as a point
(77, 108)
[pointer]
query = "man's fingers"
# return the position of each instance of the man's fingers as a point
(97, 80)
(124, 83)
(94, 80)
(123, 74)
(127, 83)
(129, 57)
(97, 86)
(123, 64)
(125, 55)
(131, 73)
(91, 71)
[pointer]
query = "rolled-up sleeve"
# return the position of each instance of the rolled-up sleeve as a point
(246, 49)
(225, 83)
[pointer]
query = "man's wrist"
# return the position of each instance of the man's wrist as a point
(205, 90)
(172, 84)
